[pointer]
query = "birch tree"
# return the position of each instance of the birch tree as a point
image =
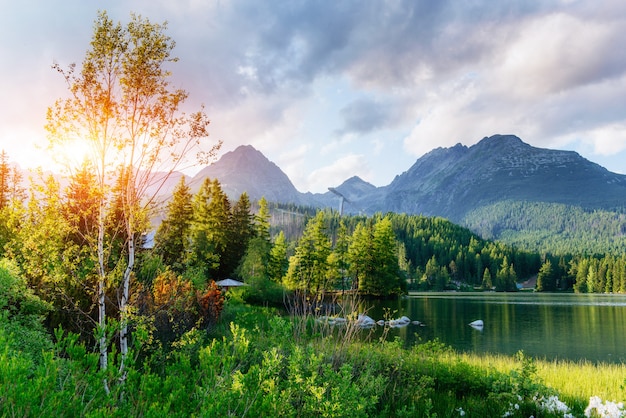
(122, 104)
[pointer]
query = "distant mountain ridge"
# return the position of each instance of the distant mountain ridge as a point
(451, 182)
(447, 182)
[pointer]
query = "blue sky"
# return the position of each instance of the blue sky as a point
(328, 90)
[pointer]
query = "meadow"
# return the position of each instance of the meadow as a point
(261, 362)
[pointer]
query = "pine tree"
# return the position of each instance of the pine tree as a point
(386, 280)
(546, 279)
(241, 231)
(170, 241)
(308, 266)
(360, 256)
(262, 220)
(254, 265)
(211, 217)
(431, 272)
(506, 278)
(278, 263)
(487, 284)
(81, 206)
(581, 269)
(373, 259)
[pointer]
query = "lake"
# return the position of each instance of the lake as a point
(551, 326)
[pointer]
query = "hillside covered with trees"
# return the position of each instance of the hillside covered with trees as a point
(551, 227)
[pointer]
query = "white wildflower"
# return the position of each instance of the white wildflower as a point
(606, 409)
(553, 405)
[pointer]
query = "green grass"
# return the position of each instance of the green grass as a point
(576, 380)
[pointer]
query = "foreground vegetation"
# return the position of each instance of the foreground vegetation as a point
(261, 362)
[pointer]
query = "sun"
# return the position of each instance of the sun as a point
(71, 154)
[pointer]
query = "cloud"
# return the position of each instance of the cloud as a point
(552, 79)
(341, 169)
(432, 73)
(609, 139)
(558, 52)
(363, 116)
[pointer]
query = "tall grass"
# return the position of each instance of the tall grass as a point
(580, 380)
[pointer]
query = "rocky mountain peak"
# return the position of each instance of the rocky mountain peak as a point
(451, 181)
(355, 187)
(247, 170)
(448, 182)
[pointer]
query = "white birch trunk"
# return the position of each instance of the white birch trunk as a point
(123, 304)
(103, 346)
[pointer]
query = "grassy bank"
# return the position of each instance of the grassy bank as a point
(572, 379)
(257, 362)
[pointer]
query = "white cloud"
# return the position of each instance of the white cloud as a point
(607, 140)
(340, 170)
(557, 52)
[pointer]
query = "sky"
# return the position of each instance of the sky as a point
(332, 89)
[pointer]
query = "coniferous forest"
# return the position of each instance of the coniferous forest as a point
(105, 311)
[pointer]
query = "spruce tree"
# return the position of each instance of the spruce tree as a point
(386, 280)
(278, 263)
(360, 257)
(208, 229)
(308, 266)
(170, 241)
(487, 284)
(241, 231)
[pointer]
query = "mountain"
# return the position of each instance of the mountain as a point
(447, 182)
(247, 170)
(451, 182)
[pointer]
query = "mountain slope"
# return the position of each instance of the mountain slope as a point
(454, 181)
(247, 170)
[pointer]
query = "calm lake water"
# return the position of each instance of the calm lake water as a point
(551, 326)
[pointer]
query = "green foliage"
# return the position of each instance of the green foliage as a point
(171, 236)
(599, 274)
(241, 231)
(308, 266)
(551, 227)
(16, 298)
(255, 263)
(439, 254)
(208, 240)
(487, 284)
(255, 367)
(277, 264)
(21, 316)
(262, 292)
(546, 279)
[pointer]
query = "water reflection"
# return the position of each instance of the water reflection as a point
(553, 326)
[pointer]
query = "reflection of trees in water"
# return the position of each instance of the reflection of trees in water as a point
(557, 326)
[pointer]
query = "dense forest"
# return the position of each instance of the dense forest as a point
(551, 227)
